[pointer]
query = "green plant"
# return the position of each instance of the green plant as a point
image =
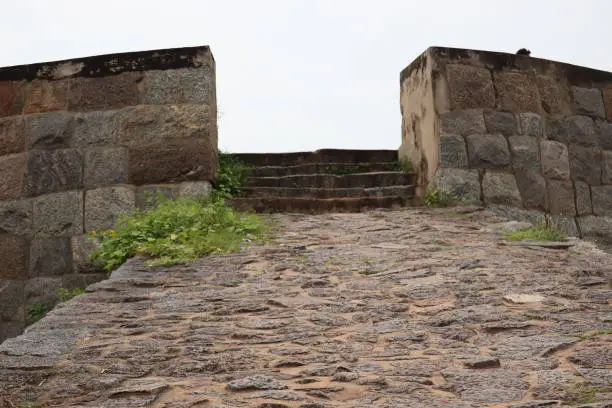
(231, 176)
(177, 231)
(37, 311)
(405, 164)
(67, 294)
(541, 231)
(437, 197)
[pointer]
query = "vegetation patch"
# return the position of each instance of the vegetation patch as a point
(439, 198)
(405, 164)
(37, 311)
(232, 175)
(541, 231)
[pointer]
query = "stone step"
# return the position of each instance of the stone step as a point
(318, 156)
(319, 205)
(385, 191)
(323, 168)
(362, 180)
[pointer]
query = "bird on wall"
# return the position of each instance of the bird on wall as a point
(523, 51)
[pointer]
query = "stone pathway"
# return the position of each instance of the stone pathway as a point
(408, 308)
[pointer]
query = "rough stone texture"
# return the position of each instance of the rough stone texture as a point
(50, 171)
(16, 217)
(453, 152)
(58, 214)
(42, 290)
(488, 151)
(573, 129)
(583, 198)
(607, 97)
(99, 128)
(11, 98)
(14, 255)
(500, 188)
(554, 95)
(555, 160)
(462, 122)
(50, 257)
(470, 87)
(533, 190)
(82, 247)
(585, 164)
(561, 197)
(517, 91)
(606, 167)
(146, 196)
(501, 122)
(531, 124)
(52, 130)
(106, 166)
(45, 96)
(180, 86)
(11, 298)
(194, 189)
(603, 133)
(464, 183)
(525, 153)
(103, 206)
(12, 168)
(12, 137)
(602, 199)
(588, 101)
(112, 92)
(591, 225)
(566, 224)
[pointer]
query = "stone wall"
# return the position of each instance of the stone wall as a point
(81, 142)
(513, 131)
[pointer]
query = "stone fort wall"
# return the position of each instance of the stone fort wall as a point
(523, 134)
(81, 142)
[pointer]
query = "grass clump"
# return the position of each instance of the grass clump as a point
(232, 175)
(37, 311)
(437, 198)
(541, 231)
(405, 164)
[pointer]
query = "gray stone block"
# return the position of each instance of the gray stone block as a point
(194, 189)
(42, 290)
(533, 190)
(500, 122)
(531, 124)
(179, 86)
(591, 225)
(603, 133)
(566, 224)
(50, 257)
(82, 248)
(50, 130)
(463, 183)
(58, 214)
(50, 171)
(462, 122)
(14, 257)
(573, 129)
(98, 128)
(12, 300)
(588, 101)
(82, 281)
(147, 196)
(12, 169)
(453, 152)
(104, 206)
(500, 188)
(602, 199)
(583, 198)
(585, 164)
(555, 160)
(12, 136)
(561, 197)
(525, 153)
(606, 167)
(16, 217)
(10, 329)
(488, 151)
(518, 214)
(106, 166)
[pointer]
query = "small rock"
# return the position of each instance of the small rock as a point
(487, 362)
(344, 376)
(256, 382)
(523, 298)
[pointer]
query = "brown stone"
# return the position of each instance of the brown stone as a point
(561, 197)
(111, 92)
(12, 136)
(607, 97)
(12, 169)
(172, 161)
(106, 166)
(45, 96)
(12, 301)
(50, 257)
(585, 164)
(533, 189)
(50, 171)
(11, 98)
(602, 197)
(13, 256)
(470, 87)
(518, 92)
(583, 198)
(555, 96)
(104, 206)
(59, 214)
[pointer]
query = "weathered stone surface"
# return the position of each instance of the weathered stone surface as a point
(525, 153)
(554, 95)
(500, 188)
(573, 129)
(50, 257)
(82, 280)
(99, 128)
(591, 225)
(14, 256)
(50, 171)
(11, 98)
(256, 382)
(470, 87)
(82, 247)
(103, 206)
(179, 86)
(602, 199)
(462, 122)
(494, 385)
(45, 96)
(603, 133)
(12, 169)
(500, 122)
(16, 217)
(147, 196)
(520, 348)
(42, 290)
(51, 130)
(59, 214)
(172, 161)
(12, 136)
(106, 166)
(566, 224)
(10, 329)
(533, 190)
(585, 164)
(12, 301)
(583, 198)
(531, 124)
(453, 152)
(194, 189)
(555, 160)
(606, 167)
(463, 183)
(561, 197)
(518, 92)
(588, 101)
(488, 151)
(111, 92)
(485, 362)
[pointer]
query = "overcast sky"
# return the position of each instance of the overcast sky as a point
(306, 74)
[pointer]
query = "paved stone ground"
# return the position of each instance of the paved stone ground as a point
(409, 308)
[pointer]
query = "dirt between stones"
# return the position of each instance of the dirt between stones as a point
(405, 308)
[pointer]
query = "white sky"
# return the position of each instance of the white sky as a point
(306, 74)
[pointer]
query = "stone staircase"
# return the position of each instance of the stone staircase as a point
(327, 180)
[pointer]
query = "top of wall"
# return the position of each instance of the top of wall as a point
(111, 64)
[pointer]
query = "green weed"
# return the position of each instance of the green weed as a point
(539, 232)
(67, 294)
(437, 198)
(405, 164)
(232, 175)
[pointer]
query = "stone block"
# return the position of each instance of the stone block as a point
(11, 98)
(58, 214)
(607, 97)
(555, 160)
(42, 290)
(518, 92)
(76, 281)
(588, 101)
(12, 169)
(173, 161)
(583, 198)
(517, 214)
(585, 164)
(12, 136)
(51, 130)
(462, 122)
(12, 300)
(453, 152)
(606, 167)
(488, 151)
(50, 171)
(16, 217)
(573, 129)
(179, 86)
(566, 224)
(463, 183)
(533, 190)
(50, 257)
(82, 248)
(194, 189)
(10, 329)
(561, 197)
(554, 95)
(602, 197)
(45, 96)
(500, 122)
(591, 225)
(104, 206)
(469, 87)
(531, 124)
(500, 188)
(106, 166)
(140, 125)
(525, 153)
(13, 257)
(109, 92)
(148, 196)
(603, 134)
(98, 128)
